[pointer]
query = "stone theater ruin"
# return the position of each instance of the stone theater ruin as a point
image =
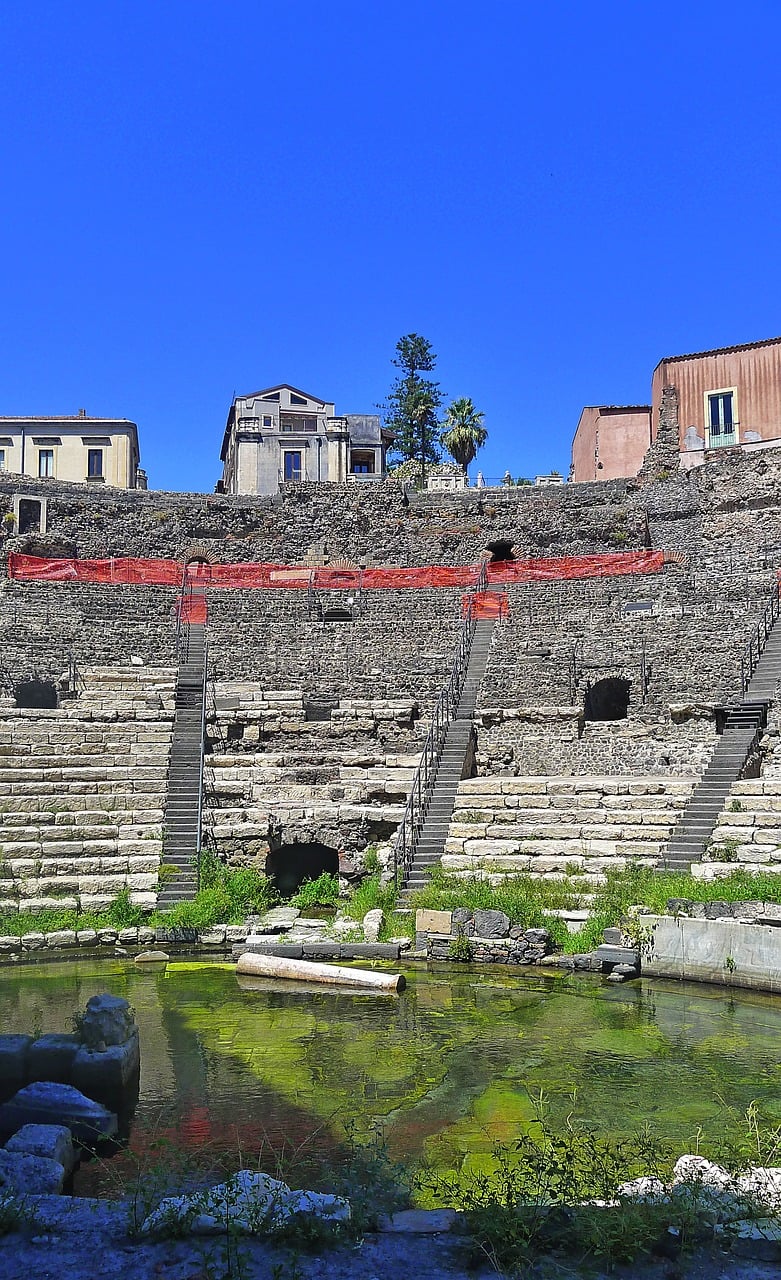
(506, 679)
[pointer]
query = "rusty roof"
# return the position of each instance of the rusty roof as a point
(720, 351)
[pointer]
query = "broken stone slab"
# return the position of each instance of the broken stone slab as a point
(278, 920)
(107, 1020)
(45, 1102)
(321, 950)
(290, 950)
(608, 954)
(254, 1203)
(50, 1141)
(50, 1057)
(22, 1174)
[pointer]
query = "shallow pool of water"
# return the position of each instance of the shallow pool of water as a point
(446, 1069)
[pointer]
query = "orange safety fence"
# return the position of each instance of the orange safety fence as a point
(169, 573)
(485, 604)
(550, 569)
(191, 608)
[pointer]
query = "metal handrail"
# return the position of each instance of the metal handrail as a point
(423, 778)
(757, 640)
(200, 767)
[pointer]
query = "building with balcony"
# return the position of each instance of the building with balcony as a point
(726, 398)
(74, 448)
(283, 436)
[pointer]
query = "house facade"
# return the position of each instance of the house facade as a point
(611, 441)
(283, 436)
(726, 398)
(74, 448)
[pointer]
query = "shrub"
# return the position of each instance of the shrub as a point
(322, 892)
(369, 895)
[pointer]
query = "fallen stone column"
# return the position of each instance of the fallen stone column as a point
(309, 971)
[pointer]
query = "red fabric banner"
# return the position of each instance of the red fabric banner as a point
(169, 573)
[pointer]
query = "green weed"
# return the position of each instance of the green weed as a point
(322, 892)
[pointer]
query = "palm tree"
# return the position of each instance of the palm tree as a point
(463, 432)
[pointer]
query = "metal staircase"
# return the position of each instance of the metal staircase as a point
(420, 841)
(184, 799)
(743, 725)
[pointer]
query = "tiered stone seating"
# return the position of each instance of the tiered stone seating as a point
(548, 826)
(747, 835)
(81, 794)
(399, 643)
(40, 621)
(348, 771)
(692, 630)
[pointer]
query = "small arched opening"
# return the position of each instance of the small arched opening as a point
(289, 866)
(501, 549)
(608, 699)
(41, 694)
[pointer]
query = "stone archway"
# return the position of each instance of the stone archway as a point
(291, 864)
(607, 699)
(500, 549)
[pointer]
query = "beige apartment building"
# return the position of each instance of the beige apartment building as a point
(74, 448)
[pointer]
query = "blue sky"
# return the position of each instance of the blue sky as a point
(201, 200)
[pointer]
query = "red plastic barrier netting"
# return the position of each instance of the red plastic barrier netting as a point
(191, 608)
(485, 604)
(601, 566)
(168, 573)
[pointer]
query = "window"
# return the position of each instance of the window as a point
(298, 400)
(721, 418)
(45, 463)
(268, 421)
(2, 459)
(361, 462)
(292, 466)
(94, 464)
(298, 422)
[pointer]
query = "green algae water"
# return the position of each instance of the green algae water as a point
(249, 1069)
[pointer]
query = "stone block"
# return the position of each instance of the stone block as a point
(46, 1103)
(48, 1141)
(107, 1020)
(61, 939)
(103, 1074)
(23, 1174)
(51, 1057)
(370, 950)
(428, 921)
(13, 1061)
(491, 924)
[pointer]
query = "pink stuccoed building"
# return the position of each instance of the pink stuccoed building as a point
(729, 398)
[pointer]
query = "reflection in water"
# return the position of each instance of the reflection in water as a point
(447, 1068)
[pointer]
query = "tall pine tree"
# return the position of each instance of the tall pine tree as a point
(413, 404)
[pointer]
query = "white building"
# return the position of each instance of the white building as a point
(285, 436)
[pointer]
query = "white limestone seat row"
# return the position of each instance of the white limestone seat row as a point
(553, 825)
(748, 831)
(82, 791)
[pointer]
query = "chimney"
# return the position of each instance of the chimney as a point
(82, 413)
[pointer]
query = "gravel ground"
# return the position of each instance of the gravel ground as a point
(85, 1240)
